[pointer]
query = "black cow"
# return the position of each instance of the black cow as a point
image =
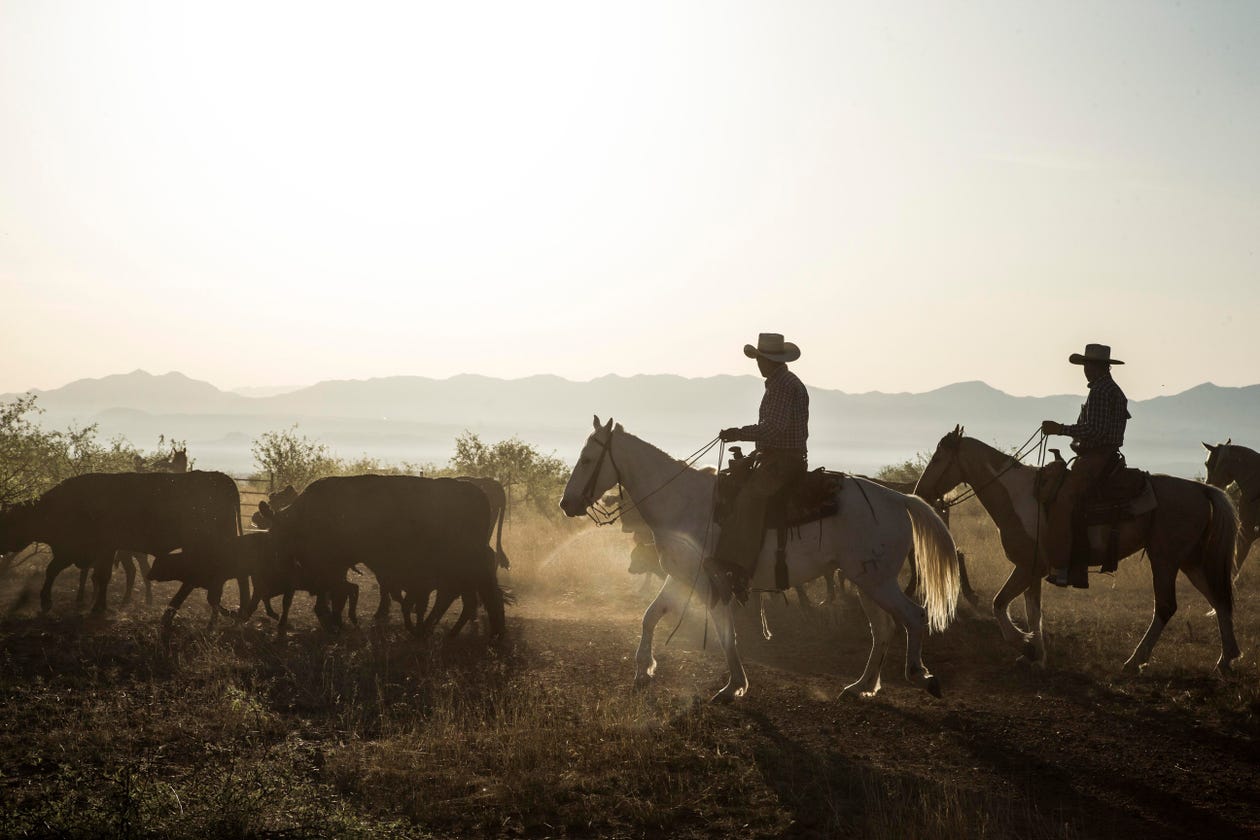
(85, 519)
(415, 534)
(273, 575)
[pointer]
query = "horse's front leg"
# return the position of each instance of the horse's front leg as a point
(669, 598)
(737, 683)
(1020, 579)
(1032, 609)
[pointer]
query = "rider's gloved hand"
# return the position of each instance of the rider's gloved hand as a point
(728, 435)
(1050, 427)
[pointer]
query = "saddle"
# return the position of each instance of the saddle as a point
(811, 497)
(1122, 494)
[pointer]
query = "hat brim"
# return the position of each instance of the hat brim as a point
(1078, 359)
(790, 353)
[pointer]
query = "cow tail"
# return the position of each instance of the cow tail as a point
(500, 557)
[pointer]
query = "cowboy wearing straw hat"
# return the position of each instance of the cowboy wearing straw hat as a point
(1097, 436)
(781, 431)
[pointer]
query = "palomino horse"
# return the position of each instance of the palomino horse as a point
(869, 539)
(1192, 529)
(1228, 462)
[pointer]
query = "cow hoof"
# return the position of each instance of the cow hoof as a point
(1132, 668)
(933, 686)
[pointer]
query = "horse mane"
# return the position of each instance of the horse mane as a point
(657, 450)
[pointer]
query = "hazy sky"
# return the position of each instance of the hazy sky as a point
(278, 193)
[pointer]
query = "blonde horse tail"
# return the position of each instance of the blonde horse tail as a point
(1220, 546)
(937, 560)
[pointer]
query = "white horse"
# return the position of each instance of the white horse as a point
(868, 539)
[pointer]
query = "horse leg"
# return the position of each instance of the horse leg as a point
(964, 583)
(913, 617)
(55, 567)
(1224, 620)
(670, 597)
(737, 682)
(1032, 610)
(1020, 579)
(882, 625)
(765, 625)
(1164, 581)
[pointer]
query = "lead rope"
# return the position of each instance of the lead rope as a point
(704, 644)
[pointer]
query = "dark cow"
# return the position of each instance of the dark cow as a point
(272, 575)
(497, 498)
(129, 562)
(415, 534)
(84, 520)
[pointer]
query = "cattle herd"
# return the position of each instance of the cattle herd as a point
(418, 536)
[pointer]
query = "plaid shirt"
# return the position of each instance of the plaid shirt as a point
(1103, 417)
(783, 421)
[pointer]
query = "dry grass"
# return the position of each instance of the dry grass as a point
(110, 730)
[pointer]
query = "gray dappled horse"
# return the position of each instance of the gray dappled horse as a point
(869, 539)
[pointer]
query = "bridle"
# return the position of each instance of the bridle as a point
(955, 446)
(603, 515)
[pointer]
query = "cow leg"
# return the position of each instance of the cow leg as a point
(55, 567)
(440, 605)
(102, 569)
(382, 609)
(129, 569)
(214, 597)
(185, 589)
(143, 561)
(271, 611)
(323, 611)
(285, 603)
(468, 611)
(242, 586)
(353, 599)
(78, 596)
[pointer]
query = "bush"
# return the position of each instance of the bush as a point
(513, 463)
(907, 471)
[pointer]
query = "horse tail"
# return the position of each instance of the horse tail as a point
(1220, 546)
(937, 561)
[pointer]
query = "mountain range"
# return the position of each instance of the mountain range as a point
(417, 418)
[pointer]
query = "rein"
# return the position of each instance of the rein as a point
(1022, 452)
(607, 516)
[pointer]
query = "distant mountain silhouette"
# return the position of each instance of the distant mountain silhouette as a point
(417, 418)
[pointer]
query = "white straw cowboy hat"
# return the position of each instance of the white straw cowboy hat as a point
(772, 346)
(1094, 353)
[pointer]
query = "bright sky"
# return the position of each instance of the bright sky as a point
(917, 194)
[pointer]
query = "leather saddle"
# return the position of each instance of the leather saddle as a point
(1121, 494)
(811, 497)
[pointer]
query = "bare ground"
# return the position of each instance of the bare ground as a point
(105, 728)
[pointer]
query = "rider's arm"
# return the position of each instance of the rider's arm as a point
(1102, 412)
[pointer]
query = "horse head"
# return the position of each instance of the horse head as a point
(594, 473)
(943, 471)
(1218, 464)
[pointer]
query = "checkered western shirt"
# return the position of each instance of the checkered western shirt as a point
(1103, 417)
(783, 421)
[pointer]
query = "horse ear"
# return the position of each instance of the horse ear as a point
(961, 429)
(608, 427)
(957, 429)
(597, 423)
(1228, 441)
(618, 428)
(1209, 447)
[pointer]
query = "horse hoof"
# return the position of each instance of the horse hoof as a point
(1132, 668)
(933, 687)
(722, 698)
(642, 681)
(1030, 651)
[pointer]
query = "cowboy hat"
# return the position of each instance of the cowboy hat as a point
(772, 346)
(1094, 353)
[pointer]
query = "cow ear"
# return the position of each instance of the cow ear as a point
(1229, 441)
(597, 423)
(618, 428)
(1209, 447)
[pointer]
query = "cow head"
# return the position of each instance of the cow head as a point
(173, 565)
(17, 527)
